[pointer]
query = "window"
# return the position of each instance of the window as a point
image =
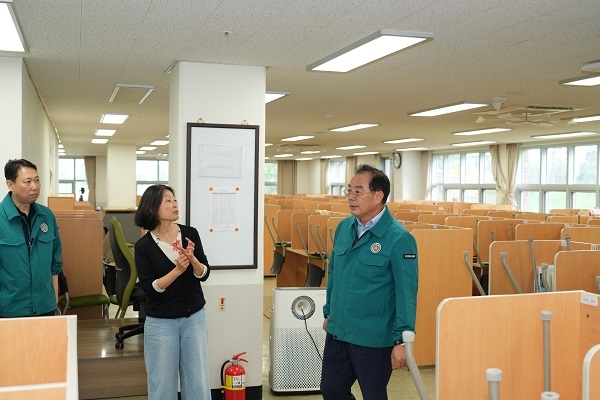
(150, 172)
(554, 176)
(270, 177)
(463, 177)
(71, 177)
(336, 176)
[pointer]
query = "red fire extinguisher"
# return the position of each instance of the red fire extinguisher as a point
(233, 379)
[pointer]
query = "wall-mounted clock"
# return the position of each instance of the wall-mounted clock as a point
(397, 160)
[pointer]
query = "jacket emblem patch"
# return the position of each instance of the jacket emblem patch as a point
(44, 227)
(375, 248)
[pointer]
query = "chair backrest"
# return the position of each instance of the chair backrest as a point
(124, 262)
(109, 279)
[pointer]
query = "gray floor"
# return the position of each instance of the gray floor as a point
(401, 386)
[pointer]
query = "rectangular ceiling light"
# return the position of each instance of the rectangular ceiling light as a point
(113, 118)
(11, 38)
(466, 144)
(271, 96)
(130, 94)
(413, 149)
(303, 159)
(481, 131)
(450, 108)
(282, 155)
(407, 140)
(377, 45)
(296, 138)
(585, 80)
(358, 146)
(586, 119)
(310, 152)
(353, 127)
(159, 142)
(333, 156)
(139, 152)
(147, 148)
(365, 153)
(565, 135)
(99, 141)
(105, 132)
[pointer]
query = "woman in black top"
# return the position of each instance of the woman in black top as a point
(171, 264)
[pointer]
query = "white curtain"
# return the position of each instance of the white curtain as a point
(90, 175)
(287, 176)
(323, 171)
(351, 164)
(506, 155)
(426, 158)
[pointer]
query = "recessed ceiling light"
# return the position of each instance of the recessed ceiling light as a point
(99, 141)
(10, 32)
(139, 152)
(357, 146)
(413, 149)
(353, 127)
(148, 148)
(283, 155)
(303, 159)
(480, 131)
(586, 119)
(159, 142)
(365, 153)
(105, 132)
(61, 146)
(296, 138)
(407, 140)
(268, 144)
(377, 45)
(478, 143)
(586, 80)
(271, 96)
(130, 94)
(113, 118)
(447, 109)
(310, 152)
(335, 156)
(565, 135)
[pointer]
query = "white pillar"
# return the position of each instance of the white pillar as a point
(120, 176)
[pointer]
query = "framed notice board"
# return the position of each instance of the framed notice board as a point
(222, 192)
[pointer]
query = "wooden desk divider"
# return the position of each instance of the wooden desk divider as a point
(442, 274)
(532, 216)
(492, 230)
(268, 244)
(294, 273)
(577, 270)
(591, 372)
(539, 231)
(505, 332)
(588, 234)
(408, 215)
(39, 358)
(439, 219)
(61, 202)
(518, 258)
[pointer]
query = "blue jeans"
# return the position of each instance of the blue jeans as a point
(173, 346)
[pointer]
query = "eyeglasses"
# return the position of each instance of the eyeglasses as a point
(356, 193)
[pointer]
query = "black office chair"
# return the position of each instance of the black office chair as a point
(126, 287)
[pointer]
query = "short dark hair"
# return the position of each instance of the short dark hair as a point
(12, 167)
(379, 180)
(146, 215)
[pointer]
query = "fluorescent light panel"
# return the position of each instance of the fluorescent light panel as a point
(268, 144)
(407, 140)
(296, 138)
(303, 159)
(466, 144)
(586, 119)
(11, 38)
(310, 152)
(480, 131)
(450, 108)
(99, 141)
(565, 135)
(333, 156)
(105, 132)
(139, 152)
(353, 127)
(365, 153)
(147, 148)
(113, 118)
(585, 80)
(271, 96)
(282, 155)
(353, 147)
(413, 149)
(377, 45)
(159, 142)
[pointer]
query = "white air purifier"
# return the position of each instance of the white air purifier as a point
(296, 339)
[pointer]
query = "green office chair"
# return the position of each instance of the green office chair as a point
(127, 289)
(79, 301)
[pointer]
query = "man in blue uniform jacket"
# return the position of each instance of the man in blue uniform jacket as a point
(371, 293)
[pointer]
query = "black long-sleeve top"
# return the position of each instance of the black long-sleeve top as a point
(184, 296)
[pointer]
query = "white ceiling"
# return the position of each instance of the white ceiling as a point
(80, 49)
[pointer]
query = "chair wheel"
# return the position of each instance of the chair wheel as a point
(119, 336)
(119, 345)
